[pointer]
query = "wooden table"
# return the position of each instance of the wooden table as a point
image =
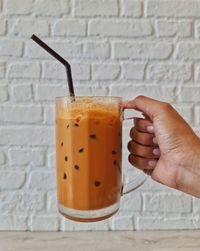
(101, 241)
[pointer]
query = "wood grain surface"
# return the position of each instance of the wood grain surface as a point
(101, 241)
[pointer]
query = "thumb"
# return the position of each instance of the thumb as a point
(148, 106)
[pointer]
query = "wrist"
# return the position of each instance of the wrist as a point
(188, 176)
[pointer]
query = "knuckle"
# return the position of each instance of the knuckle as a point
(130, 158)
(129, 145)
(166, 106)
(131, 132)
(132, 161)
(139, 97)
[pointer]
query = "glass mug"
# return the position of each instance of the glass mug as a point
(89, 156)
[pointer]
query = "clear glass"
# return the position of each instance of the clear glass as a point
(89, 156)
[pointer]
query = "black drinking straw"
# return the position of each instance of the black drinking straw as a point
(61, 60)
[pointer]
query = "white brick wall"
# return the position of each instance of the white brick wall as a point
(116, 47)
(23, 7)
(120, 28)
(142, 51)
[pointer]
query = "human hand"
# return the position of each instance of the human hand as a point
(164, 146)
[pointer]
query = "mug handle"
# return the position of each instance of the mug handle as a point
(138, 181)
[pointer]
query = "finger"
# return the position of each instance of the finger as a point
(149, 106)
(146, 116)
(142, 137)
(143, 151)
(143, 125)
(142, 163)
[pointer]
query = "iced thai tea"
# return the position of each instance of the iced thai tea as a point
(88, 152)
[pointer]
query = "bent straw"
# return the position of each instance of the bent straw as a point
(61, 60)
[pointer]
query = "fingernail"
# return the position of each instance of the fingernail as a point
(155, 141)
(156, 151)
(150, 129)
(152, 163)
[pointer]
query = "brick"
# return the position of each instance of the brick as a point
(16, 202)
(196, 205)
(51, 159)
(54, 8)
(24, 70)
(122, 223)
(32, 50)
(97, 90)
(52, 202)
(80, 71)
(25, 28)
(19, 157)
(167, 203)
(166, 28)
(85, 90)
(186, 112)
(2, 25)
(10, 223)
(21, 114)
(146, 50)
(10, 47)
(42, 180)
(96, 50)
(190, 94)
(175, 8)
(160, 223)
(27, 136)
(11, 180)
(44, 223)
(197, 29)
(67, 225)
(92, 8)
(99, 226)
(196, 222)
(151, 185)
(67, 49)
(2, 158)
(105, 71)
(169, 72)
(49, 115)
(22, 92)
(88, 90)
(133, 71)
(20, 7)
(163, 93)
(23, 157)
(54, 70)
(131, 202)
(37, 157)
(197, 72)
(50, 92)
(196, 116)
(4, 93)
(118, 28)
(2, 69)
(131, 8)
(188, 51)
(67, 27)
(19, 223)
